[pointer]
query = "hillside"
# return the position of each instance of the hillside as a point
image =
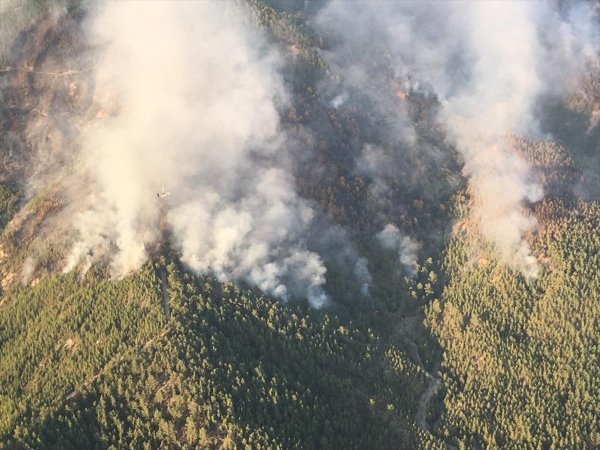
(375, 234)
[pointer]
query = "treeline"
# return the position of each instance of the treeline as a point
(8, 198)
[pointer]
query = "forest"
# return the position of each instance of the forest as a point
(429, 336)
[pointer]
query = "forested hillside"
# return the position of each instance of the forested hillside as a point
(229, 369)
(266, 224)
(520, 363)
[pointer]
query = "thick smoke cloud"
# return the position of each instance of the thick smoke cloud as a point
(186, 97)
(487, 63)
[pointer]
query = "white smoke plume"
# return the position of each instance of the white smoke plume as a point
(339, 100)
(487, 63)
(390, 238)
(186, 98)
(27, 270)
(380, 167)
(362, 274)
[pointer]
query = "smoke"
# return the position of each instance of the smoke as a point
(186, 97)
(390, 238)
(362, 274)
(487, 63)
(18, 15)
(339, 100)
(28, 270)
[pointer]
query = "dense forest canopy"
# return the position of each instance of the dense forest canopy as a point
(299, 224)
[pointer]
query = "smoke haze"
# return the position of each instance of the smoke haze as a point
(487, 63)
